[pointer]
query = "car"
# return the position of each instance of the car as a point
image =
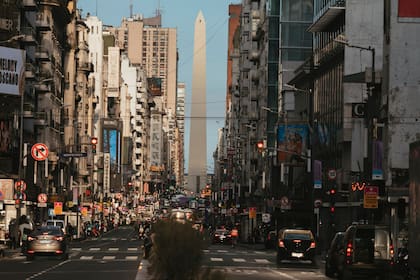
(296, 244)
(57, 223)
(366, 251)
(221, 236)
(332, 256)
(47, 240)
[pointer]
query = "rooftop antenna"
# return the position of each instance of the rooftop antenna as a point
(131, 8)
(158, 8)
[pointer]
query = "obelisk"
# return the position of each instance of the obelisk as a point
(197, 163)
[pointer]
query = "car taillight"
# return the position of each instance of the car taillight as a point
(30, 238)
(349, 251)
(313, 245)
(58, 238)
(391, 253)
(281, 243)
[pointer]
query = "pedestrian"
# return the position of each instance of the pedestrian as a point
(24, 229)
(234, 234)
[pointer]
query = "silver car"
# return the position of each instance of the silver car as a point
(47, 240)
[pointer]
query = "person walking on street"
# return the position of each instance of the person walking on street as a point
(234, 234)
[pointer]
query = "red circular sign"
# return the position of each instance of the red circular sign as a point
(42, 198)
(39, 151)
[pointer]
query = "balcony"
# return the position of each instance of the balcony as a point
(40, 118)
(29, 5)
(42, 22)
(30, 71)
(42, 53)
(30, 35)
(327, 15)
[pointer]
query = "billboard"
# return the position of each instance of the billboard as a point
(12, 71)
(154, 86)
(6, 189)
(291, 141)
(155, 141)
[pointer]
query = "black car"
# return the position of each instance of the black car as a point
(367, 251)
(332, 256)
(296, 244)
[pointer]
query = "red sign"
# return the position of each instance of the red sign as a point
(370, 199)
(42, 198)
(409, 9)
(39, 151)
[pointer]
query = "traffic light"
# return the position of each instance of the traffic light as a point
(260, 146)
(332, 194)
(93, 142)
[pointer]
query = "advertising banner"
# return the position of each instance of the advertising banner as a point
(6, 189)
(12, 71)
(291, 141)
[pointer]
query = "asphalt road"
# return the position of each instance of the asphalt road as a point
(116, 255)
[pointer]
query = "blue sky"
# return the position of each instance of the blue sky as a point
(181, 14)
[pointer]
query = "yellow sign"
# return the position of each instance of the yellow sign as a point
(370, 198)
(252, 212)
(58, 208)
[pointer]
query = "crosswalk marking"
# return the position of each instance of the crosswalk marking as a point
(133, 249)
(262, 261)
(108, 258)
(216, 259)
(131, 258)
(76, 249)
(113, 249)
(222, 251)
(94, 249)
(86, 257)
(238, 260)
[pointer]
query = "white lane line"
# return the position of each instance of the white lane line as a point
(46, 270)
(113, 249)
(94, 249)
(133, 249)
(86, 257)
(131, 258)
(262, 261)
(238, 260)
(108, 258)
(216, 259)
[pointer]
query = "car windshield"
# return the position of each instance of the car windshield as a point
(48, 231)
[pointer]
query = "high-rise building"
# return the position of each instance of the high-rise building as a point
(197, 170)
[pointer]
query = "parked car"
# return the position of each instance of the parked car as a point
(221, 236)
(367, 251)
(47, 240)
(296, 244)
(270, 240)
(332, 256)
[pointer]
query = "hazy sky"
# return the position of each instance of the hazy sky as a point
(181, 14)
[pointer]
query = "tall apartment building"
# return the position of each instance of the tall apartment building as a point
(180, 119)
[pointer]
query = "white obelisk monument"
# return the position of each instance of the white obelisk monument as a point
(197, 163)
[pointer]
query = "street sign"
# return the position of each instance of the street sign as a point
(73, 155)
(39, 151)
(332, 174)
(42, 198)
(20, 186)
(317, 203)
(370, 199)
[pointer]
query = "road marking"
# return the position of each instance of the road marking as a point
(238, 260)
(86, 257)
(123, 238)
(108, 258)
(131, 258)
(46, 270)
(76, 249)
(216, 259)
(262, 261)
(94, 249)
(222, 251)
(113, 249)
(259, 252)
(133, 249)
(206, 251)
